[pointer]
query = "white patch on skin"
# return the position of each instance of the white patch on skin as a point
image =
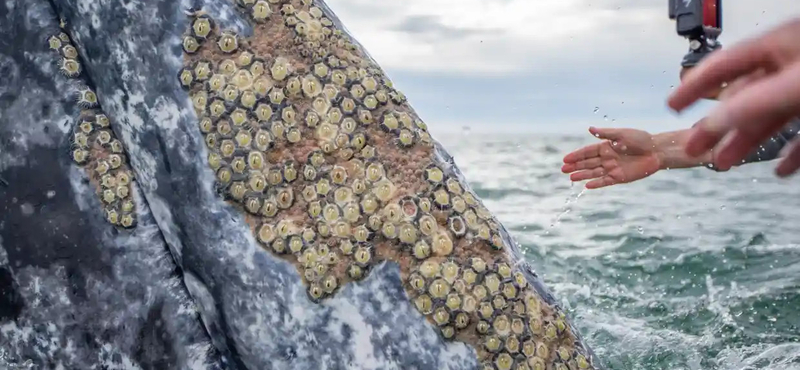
(107, 352)
(166, 113)
(197, 356)
(92, 8)
(344, 312)
(160, 211)
(84, 195)
(3, 253)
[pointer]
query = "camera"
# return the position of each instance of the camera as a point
(699, 21)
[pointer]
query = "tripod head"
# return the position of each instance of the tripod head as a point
(699, 21)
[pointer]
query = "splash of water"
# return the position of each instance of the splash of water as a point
(571, 200)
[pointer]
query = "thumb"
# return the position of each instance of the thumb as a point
(613, 134)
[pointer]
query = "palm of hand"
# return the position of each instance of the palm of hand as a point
(624, 156)
(626, 160)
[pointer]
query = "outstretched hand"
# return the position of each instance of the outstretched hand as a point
(624, 155)
(766, 71)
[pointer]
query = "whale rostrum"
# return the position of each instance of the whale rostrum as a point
(311, 218)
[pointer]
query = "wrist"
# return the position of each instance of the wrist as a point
(669, 150)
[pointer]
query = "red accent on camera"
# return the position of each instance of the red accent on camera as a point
(710, 13)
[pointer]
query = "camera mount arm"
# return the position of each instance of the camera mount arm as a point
(699, 21)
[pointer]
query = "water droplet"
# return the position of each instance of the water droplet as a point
(755, 179)
(640, 229)
(605, 117)
(27, 209)
(722, 207)
(596, 109)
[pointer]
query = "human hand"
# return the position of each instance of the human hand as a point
(624, 155)
(766, 71)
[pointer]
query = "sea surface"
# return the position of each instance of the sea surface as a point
(686, 269)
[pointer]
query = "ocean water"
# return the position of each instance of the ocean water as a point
(687, 269)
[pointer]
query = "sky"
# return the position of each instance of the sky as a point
(541, 66)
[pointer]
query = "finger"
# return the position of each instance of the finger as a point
(701, 139)
(587, 174)
(606, 133)
(586, 164)
(791, 160)
(733, 148)
(600, 183)
(757, 111)
(589, 151)
(740, 83)
(721, 66)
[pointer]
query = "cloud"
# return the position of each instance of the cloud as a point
(543, 64)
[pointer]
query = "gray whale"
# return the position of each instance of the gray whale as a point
(238, 185)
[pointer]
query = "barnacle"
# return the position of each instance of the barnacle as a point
(355, 272)
(289, 115)
(407, 233)
(263, 112)
(439, 288)
(243, 79)
(403, 197)
(311, 86)
(54, 42)
(87, 98)
(361, 233)
(441, 317)
(70, 67)
(434, 175)
(362, 255)
(228, 42)
(262, 140)
(421, 250)
(230, 93)
(405, 138)
(190, 44)
(285, 198)
(277, 128)
(227, 67)
(343, 195)
(429, 268)
(442, 244)
(102, 120)
(279, 69)
(424, 304)
(253, 205)
(504, 361)
(260, 10)
(293, 135)
(389, 230)
(389, 122)
(202, 27)
(112, 216)
(456, 225)
(127, 221)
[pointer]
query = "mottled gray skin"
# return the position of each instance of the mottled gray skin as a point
(75, 293)
(189, 287)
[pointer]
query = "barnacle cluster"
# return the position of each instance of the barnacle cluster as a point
(335, 172)
(94, 145)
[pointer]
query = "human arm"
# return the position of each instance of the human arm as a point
(627, 155)
(762, 107)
